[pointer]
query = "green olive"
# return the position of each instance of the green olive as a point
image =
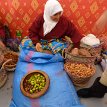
(43, 84)
(41, 76)
(31, 91)
(38, 75)
(37, 83)
(32, 82)
(37, 88)
(34, 89)
(43, 81)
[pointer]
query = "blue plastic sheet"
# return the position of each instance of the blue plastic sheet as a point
(61, 92)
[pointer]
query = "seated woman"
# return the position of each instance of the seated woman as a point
(52, 25)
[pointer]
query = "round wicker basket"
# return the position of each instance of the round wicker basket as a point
(10, 65)
(104, 56)
(94, 51)
(79, 73)
(38, 94)
(1, 60)
(3, 76)
(80, 59)
(11, 55)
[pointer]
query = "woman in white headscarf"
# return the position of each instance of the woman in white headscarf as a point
(51, 8)
(53, 25)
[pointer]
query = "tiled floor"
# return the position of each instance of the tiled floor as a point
(6, 93)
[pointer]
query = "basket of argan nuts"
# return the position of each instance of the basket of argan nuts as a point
(80, 73)
(11, 64)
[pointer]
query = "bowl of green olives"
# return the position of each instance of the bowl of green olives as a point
(34, 84)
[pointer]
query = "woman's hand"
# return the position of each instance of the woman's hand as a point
(38, 47)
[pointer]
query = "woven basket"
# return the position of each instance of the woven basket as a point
(7, 65)
(94, 51)
(79, 79)
(104, 56)
(1, 60)
(3, 76)
(11, 55)
(80, 59)
(3, 81)
(10, 60)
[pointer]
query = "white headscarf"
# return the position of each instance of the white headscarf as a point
(51, 7)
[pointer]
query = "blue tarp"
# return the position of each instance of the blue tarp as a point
(61, 92)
